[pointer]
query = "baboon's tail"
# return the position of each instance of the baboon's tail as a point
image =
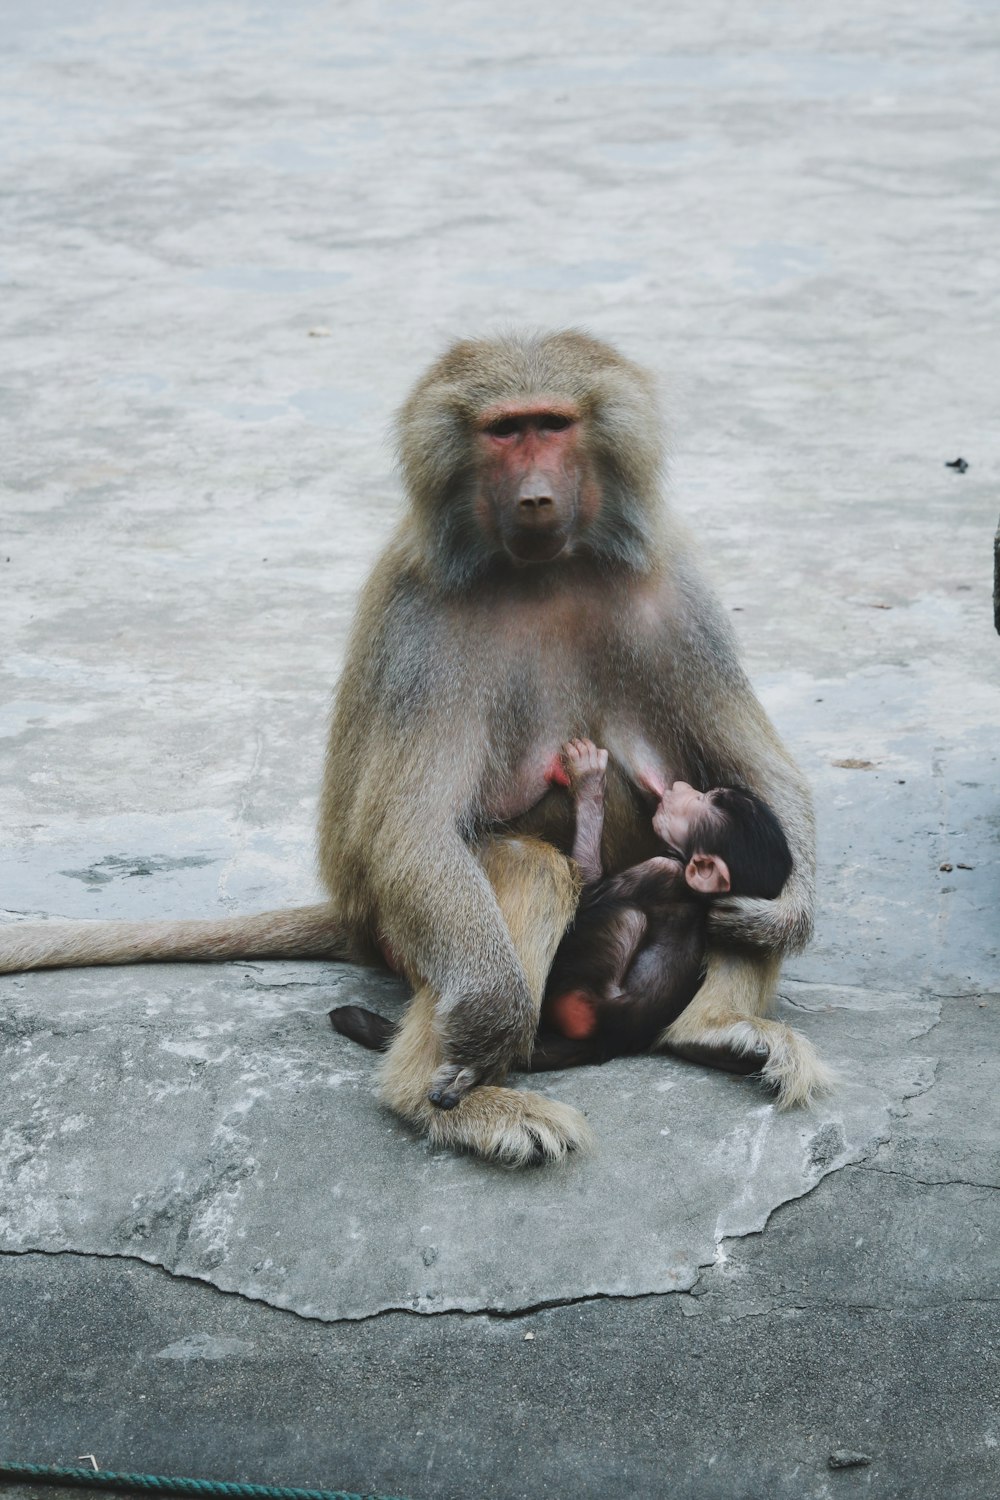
(299, 932)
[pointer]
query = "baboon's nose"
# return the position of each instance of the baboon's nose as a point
(535, 495)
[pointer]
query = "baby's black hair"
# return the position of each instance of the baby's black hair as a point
(748, 837)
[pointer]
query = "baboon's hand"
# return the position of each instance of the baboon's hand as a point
(586, 768)
(452, 1082)
(783, 925)
(481, 1035)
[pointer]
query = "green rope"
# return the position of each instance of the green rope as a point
(101, 1479)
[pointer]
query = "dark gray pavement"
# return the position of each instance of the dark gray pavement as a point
(231, 236)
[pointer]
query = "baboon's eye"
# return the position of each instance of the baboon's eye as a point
(554, 421)
(504, 427)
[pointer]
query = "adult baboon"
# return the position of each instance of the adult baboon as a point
(537, 590)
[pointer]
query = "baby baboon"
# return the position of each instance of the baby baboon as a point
(633, 957)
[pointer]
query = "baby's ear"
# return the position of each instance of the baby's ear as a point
(707, 874)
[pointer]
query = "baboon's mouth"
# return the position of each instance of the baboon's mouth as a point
(535, 546)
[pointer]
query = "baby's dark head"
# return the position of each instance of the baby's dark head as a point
(741, 828)
(729, 839)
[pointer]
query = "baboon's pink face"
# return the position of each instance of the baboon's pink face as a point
(536, 487)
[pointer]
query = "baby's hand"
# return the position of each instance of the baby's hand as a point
(586, 768)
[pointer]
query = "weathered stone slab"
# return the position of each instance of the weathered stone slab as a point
(210, 1121)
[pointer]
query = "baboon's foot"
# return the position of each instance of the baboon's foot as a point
(365, 1026)
(784, 1059)
(506, 1125)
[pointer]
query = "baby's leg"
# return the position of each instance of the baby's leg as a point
(602, 946)
(552, 1053)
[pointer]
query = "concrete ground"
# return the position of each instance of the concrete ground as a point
(232, 235)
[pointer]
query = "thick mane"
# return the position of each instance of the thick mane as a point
(618, 403)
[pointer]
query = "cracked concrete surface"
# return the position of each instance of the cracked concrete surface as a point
(224, 1132)
(233, 234)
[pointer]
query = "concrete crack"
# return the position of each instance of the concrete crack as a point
(918, 1090)
(843, 989)
(251, 982)
(886, 1310)
(493, 1313)
(993, 1187)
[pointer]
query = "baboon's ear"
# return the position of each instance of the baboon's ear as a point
(708, 874)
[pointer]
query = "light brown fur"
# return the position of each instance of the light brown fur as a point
(464, 671)
(299, 932)
(536, 889)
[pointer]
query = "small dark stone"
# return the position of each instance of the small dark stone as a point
(843, 1458)
(958, 464)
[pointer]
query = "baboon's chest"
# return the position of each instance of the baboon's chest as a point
(579, 663)
(543, 702)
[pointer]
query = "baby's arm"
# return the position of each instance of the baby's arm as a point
(586, 768)
(657, 882)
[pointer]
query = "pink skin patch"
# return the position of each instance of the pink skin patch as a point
(541, 435)
(651, 781)
(574, 1014)
(525, 443)
(555, 772)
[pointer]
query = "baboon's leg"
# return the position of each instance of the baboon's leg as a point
(537, 889)
(727, 1026)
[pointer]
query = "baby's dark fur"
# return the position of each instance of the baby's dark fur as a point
(636, 948)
